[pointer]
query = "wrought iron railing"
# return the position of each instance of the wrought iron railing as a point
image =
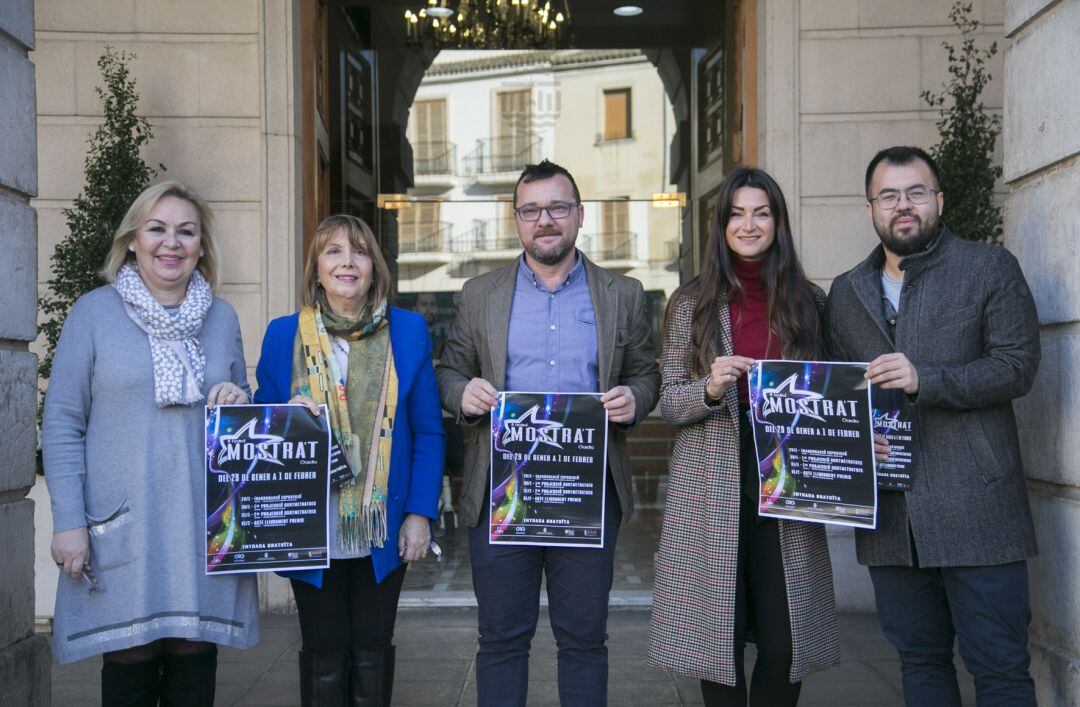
(488, 235)
(434, 158)
(608, 246)
(508, 153)
(425, 237)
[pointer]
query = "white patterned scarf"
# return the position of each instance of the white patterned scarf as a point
(179, 360)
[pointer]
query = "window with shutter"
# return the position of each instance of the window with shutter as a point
(430, 148)
(508, 235)
(513, 134)
(419, 230)
(614, 230)
(617, 124)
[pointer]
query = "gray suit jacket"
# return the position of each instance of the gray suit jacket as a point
(476, 348)
(968, 323)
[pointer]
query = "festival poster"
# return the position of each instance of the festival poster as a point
(267, 488)
(548, 469)
(814, 442)
(892, 420)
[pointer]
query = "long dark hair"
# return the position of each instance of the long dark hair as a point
(792, 311)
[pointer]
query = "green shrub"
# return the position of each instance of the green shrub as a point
(968, 133)
(115, 175)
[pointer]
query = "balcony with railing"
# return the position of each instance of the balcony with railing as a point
(425, 241)
(489, 239)
(609, 247)
(434, 163)
(499, 160)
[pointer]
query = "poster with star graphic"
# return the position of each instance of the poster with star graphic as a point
(548, 470)
(893, 420)
(267, 488)
(814, 443)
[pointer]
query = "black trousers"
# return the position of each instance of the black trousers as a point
(760, 602)
(350, 611)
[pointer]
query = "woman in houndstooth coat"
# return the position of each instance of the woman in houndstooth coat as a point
(721, 571)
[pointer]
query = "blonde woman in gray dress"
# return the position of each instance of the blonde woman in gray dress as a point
(123, 448)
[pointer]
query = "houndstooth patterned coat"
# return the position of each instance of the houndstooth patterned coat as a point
(693, 609)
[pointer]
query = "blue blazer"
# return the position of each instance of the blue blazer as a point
(416, 461)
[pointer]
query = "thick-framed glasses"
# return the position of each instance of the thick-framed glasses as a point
(556, 211)
(889, 199)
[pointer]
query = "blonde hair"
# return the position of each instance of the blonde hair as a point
(137, 214)
(360, 238)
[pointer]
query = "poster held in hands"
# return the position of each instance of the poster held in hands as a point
(267, 488)
(548, 470)
(814, 442)
(893, 420)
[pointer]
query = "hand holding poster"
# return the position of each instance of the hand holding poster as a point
(814, 442)
(267, 488)
(548, 469)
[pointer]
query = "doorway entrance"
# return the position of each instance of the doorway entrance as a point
(427, 145)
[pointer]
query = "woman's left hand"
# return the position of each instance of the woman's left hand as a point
(414, 539)
(226, 393)
(881, 448)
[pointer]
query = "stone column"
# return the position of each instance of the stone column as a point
(24, 657)
(1042, 227)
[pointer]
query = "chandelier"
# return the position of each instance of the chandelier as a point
(490, 24)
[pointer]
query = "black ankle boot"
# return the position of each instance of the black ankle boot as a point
(324, 679)
(131, 684)
(189, 679)
(372, 678)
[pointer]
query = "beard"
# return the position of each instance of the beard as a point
(552, 254)
(914, 242)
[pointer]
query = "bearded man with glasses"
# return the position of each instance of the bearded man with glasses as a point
(552, 321)
(952, 324)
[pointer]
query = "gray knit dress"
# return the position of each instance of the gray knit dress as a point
(133, 474)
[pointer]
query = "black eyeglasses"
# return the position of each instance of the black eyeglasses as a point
(889, 199)
(557, 210)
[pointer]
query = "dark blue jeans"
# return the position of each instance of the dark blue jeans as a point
(507, 584)
(924, 610)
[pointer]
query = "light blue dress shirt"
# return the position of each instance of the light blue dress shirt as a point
(552, 346)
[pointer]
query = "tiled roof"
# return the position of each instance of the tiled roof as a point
(554, 57)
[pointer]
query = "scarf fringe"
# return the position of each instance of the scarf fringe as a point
(366, 529)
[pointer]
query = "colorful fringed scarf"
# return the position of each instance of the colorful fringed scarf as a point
(362, 406)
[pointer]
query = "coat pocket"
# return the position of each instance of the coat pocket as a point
(956, 317)
(110, 538)
(989, 465)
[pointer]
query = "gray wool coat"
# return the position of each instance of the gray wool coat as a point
(692, 625)
(477, 347)
(967, 322)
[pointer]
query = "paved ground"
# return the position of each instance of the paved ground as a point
(435, 666)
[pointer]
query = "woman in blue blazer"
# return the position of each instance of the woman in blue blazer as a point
(370, 364)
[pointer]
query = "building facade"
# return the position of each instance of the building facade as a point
(479, 117)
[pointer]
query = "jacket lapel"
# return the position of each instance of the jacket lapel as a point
(500, 300)
(605, 302)
(866, 281)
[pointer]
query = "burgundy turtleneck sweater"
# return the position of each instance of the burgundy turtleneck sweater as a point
(750, 320)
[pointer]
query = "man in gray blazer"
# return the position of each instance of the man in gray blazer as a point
(550, 322)
(952, 324)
